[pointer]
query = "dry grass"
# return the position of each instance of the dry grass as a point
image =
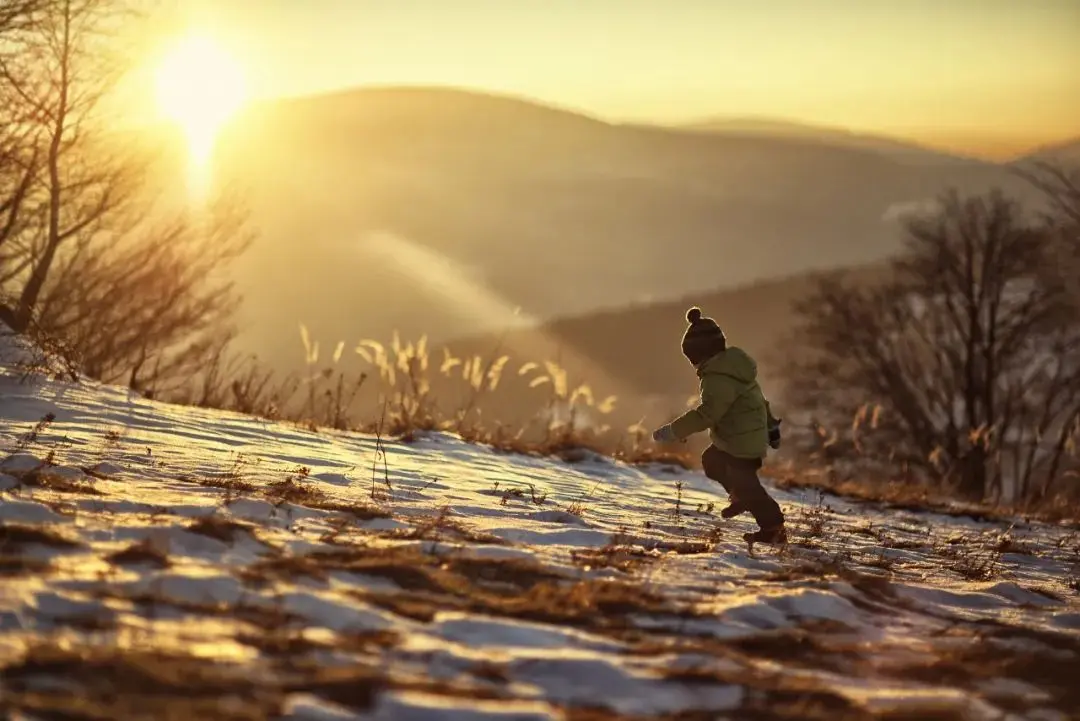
(221, 529)
(499, 587)
(114, 683)
(103, 681)
(395, 381)
(143, 552)
(107, 682)
(976, 564)
(902, 495)
(15, 535)
(1045, 663)
(295, 488)
(283, 568)
(445, 529)
(12, 565)
(42, 478)
(1006, 543)
(590, 604)
(617, 554)
(31, 436)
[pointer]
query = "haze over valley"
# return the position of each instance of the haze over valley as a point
(441, 211)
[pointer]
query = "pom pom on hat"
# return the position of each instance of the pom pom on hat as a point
(703, 338)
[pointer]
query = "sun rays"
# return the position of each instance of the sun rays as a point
(199, 88)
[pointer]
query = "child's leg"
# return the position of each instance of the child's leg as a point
(715, 466)
(743, 479)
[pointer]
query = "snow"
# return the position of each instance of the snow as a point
(282, 573)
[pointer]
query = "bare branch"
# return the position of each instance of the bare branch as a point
(969, 346)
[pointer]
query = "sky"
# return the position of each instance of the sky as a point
(992, 76)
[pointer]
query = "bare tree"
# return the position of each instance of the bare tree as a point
(969, 351)
(89, 253)
(16, 15)
(57, 71)
(150, 307)
(1060, 186)
(16, 170)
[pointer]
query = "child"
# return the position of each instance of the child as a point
(740, 424)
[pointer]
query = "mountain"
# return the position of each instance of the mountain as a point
(899, 150)
(1066, 152)
(442, 211)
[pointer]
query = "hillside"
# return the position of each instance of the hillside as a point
(162, 562)
(634, 351)
(895, 149)
(1067, 153)
(441, 211)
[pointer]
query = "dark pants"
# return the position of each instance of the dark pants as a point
(739, 478)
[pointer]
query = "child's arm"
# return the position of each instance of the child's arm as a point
(716, 399)
(772, 424)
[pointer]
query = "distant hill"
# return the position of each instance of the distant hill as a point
(900, 150)
(634, 352)
(1067, 152)
(442, 211)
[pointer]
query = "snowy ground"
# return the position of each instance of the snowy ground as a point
(171, 563)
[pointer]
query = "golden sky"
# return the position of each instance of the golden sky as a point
(990, 76)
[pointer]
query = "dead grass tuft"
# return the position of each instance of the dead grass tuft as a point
(358, 511)
(42, 478)
(780, 704)
(232, 485)
(287, 642)
(977, 564)
(283, 568)
(617, 554)
(293, 490)
(17, 534)
(416, 571)
(591, 604)
(1045, 661)
(1006, 543)
(221, 529)
(816, 518)
(910, 496)
(21, 565)
(1072, 581)
(511, 574)
(443, 526)
(503, 587)
(121, 683)
(671, 461)
(258, 615)
(113, 683)
(142, 552)
(351, 687)
(814, 645)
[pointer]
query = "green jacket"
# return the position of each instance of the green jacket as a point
(733, 408)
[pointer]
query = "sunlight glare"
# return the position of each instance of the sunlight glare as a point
(199, 88)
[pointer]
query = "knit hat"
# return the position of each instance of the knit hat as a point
(703, 338)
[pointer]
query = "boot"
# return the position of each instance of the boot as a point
(733, 509)
(775, 536)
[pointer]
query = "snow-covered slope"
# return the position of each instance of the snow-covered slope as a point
(172, 563)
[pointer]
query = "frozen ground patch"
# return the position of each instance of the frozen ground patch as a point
(158, 561)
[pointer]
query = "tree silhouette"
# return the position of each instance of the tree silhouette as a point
(969, 352)
(132, 282)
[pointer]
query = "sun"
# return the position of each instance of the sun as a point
(199, 87)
